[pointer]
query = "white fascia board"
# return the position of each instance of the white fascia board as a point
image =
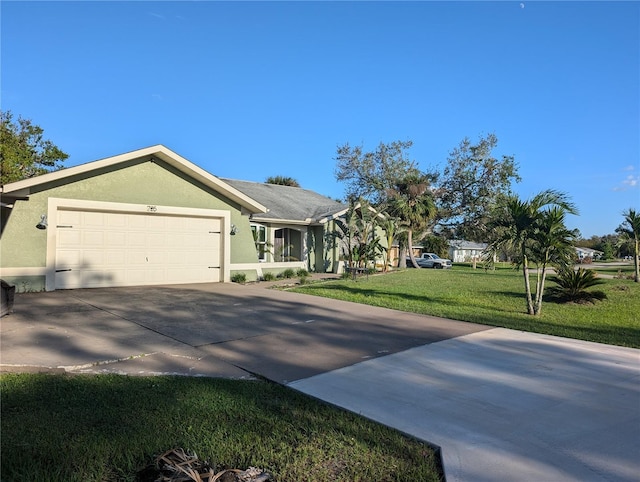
(159, 151)
(296, 222)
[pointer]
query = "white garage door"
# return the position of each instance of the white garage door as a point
(98, 249)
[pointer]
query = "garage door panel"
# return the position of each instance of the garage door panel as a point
(95, 278)
(136, 238)
(67, 237)
(156, 223)
(136, 257)
(176, 240)
(93, 258)
(157, 239)
(116, 238)
(66, 258)
(115, 220)
(214, 240)
(93, 238)
(120, 249)
(68, 218)
(157, 257)
(115, 257)
(93, 218)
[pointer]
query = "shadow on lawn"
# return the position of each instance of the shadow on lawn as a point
(108, 427)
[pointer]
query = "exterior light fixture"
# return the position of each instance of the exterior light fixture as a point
(234, 230)
(43, 222)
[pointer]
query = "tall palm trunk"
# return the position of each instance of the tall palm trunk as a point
(411, 255)
(636, 262)
(537, 307)
(527, 284)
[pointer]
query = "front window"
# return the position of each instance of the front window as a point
(260, 238)
(287, 245)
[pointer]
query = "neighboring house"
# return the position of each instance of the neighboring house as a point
(140, 218)
(295, 232)
(584, 254)
(466, 251)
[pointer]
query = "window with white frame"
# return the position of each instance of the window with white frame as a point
(260, 238)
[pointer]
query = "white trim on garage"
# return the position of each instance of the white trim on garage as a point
(57, 204)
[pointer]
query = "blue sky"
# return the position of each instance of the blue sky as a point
(248, 90)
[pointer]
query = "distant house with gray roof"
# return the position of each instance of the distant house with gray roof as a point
(461, 251)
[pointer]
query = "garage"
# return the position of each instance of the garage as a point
(99, 249)
(146, 217)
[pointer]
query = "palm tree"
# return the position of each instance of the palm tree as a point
(552, 246)
(357, 231)
(573, 284)
(411, 202)
(630, 230)
(533, 229)
(392, 229)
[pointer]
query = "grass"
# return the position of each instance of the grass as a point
(109, 427)
(624, 270)
(495, 298)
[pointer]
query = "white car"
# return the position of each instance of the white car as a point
(430, 260)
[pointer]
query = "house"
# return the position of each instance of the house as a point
(466, 251)
(295, 231)
(149, 217)
(586, 255)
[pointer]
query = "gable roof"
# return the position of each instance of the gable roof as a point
(462, 244)
(293, 205)
(20, 189)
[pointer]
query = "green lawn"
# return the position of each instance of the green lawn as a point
(622, 271)
(108, 427)
(495, 298)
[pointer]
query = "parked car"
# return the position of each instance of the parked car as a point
(430, 260)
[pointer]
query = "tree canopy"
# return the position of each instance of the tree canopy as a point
(24, 152)
(471, 184)
(370, 175)
(282, 181)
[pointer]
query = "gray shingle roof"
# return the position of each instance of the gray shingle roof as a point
(288, 203)
(462, 244)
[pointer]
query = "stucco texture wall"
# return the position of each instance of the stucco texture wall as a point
(149, 182)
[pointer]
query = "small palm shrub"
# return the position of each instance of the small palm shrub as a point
(239, 278)
(268, 276)
(287, 273)
(302, 273)
(573, 284)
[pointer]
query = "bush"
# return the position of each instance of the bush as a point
(573, 284)
(287, 273)
(268, 276)
(302, 273)
(239, 278)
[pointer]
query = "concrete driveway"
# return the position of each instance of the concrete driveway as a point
(503, 405)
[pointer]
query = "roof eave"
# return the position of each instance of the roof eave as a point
(300, 222)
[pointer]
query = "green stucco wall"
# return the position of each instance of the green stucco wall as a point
(149, 182)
